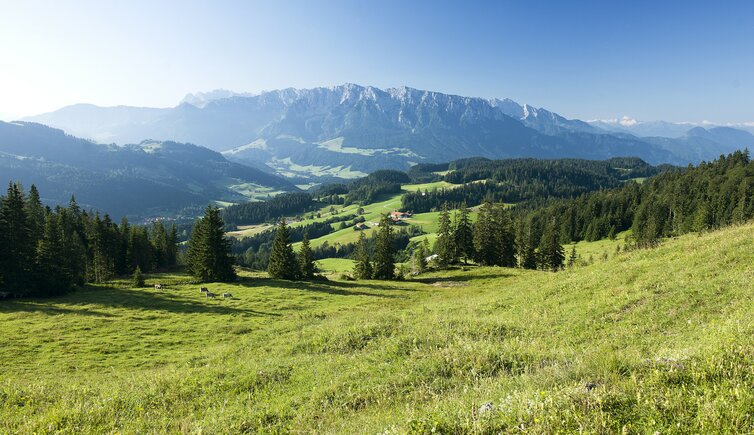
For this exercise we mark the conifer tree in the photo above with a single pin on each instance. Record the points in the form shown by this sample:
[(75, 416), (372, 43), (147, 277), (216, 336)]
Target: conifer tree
[(50, 260), (551, 253), (138, 278), (384, 255), (504, 236), (444, 246), (463, 235), (283, 263), (171, 253), (363, 265), (573, 257), (526, 244), (419, 258), (485, 242), (306, 259), (17, 257), (36, 213), (209, 257)]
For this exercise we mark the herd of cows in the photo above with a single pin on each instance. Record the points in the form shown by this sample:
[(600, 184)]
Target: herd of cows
[(207, 294)]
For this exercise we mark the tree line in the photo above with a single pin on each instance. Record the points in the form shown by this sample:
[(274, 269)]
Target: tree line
[(48, 251), (250, 213), (517, 180), (710, 195)]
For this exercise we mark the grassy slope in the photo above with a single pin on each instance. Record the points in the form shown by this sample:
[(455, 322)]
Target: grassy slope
[(664, 336)]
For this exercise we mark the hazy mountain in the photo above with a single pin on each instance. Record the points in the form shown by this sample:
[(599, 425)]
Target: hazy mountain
[(351, 130), (148, 178)]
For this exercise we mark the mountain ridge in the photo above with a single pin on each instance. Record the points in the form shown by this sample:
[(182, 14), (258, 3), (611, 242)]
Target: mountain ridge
[(350, 130)]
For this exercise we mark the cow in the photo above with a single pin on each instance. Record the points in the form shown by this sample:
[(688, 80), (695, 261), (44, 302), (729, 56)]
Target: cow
[(158, 286), (227, 295), (210, 295), (203, 290)]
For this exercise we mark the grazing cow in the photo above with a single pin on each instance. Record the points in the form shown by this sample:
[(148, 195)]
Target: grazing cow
[(209, 295), (227, 295), (203, 290), (158, 286)]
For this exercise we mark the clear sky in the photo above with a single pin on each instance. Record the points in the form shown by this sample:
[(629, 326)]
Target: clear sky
[(677, 61)]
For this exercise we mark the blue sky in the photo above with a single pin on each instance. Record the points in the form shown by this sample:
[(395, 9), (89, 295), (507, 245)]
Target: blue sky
[(677, 61)]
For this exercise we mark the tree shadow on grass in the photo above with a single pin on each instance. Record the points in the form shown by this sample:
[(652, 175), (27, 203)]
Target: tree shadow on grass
[(126, 298), (31, 306), (340, 288), (462, 278)]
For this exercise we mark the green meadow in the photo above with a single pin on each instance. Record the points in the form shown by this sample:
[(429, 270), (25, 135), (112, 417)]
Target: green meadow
[(648, 341)]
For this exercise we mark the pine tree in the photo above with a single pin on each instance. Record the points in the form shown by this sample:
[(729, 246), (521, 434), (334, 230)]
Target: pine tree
[(171, 252), (551, 251), (17, 257), (50, 259), (525, 242), (463, 235), (209, 257), (419, 258), (573, 257), (384, 255), (363, 265), (306, 259), (444, 246), (138, 278), (485, 244), (504, 236), (36, 213), (159, 241), (283, 263)]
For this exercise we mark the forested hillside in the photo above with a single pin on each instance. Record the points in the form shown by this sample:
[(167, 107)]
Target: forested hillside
[(711, 195), (517, 180), (146, 179)]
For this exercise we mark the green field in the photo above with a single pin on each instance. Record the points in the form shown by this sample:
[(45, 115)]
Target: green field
[(649, 341)]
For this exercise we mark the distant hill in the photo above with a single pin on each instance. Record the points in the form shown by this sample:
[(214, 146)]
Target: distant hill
[(137, 180), (348, 131)]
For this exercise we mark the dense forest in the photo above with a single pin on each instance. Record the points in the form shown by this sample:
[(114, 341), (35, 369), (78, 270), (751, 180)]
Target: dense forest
[(707, 196), (250, 213), (363, 190), (49, 251), (517, 180)]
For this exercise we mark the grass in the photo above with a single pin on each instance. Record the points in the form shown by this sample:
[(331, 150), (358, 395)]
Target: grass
[(650, 340), (335, 265)]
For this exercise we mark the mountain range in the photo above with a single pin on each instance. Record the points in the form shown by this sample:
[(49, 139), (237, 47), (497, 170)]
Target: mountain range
[(349, 130), (139, 180)]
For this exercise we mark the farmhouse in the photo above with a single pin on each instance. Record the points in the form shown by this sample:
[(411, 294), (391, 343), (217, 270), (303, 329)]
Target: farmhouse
[(361, 226)]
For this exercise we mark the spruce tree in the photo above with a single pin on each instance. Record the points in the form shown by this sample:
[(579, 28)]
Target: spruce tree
[(36, 213), (504, 236), (485, 242), (209, 257), (573, 257), (363, 264), (444, 246), (17, 256), (463, 235), (171, 253), (138, 278), (283, 263), (526, 244), (55, 279), (551, 251), (384, 255), (306, 259), (419, 258)]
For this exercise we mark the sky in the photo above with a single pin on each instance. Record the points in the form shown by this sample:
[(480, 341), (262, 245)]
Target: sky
[(650, 60)]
